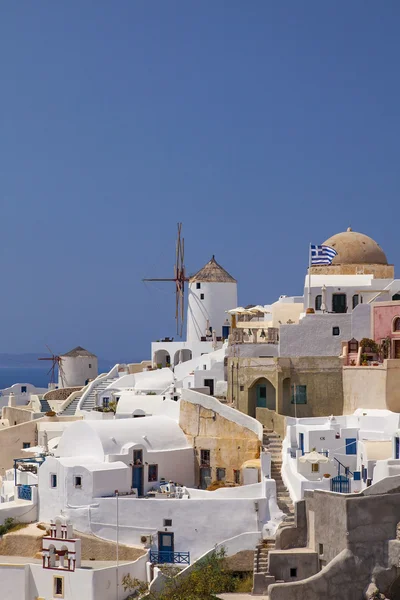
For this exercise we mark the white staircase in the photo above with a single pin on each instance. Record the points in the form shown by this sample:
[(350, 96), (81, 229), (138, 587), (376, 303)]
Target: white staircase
[(89, 398)]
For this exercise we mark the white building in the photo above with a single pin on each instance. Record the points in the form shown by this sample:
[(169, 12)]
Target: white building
[(339, 453), (61, 573), (19, 394)]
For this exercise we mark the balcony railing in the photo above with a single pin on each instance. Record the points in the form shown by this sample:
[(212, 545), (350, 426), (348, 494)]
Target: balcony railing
[(176, 558)]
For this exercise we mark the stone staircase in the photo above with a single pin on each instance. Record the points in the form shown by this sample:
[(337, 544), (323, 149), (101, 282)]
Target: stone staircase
[(273, 444), (44, 406), (90, 400), (70, 410)]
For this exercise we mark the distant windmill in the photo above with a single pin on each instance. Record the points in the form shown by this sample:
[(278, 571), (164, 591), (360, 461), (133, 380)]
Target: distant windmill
[(57, 362), (179, 278)]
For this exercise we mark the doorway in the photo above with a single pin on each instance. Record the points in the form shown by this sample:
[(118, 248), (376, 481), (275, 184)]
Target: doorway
[(339, 303), (210, 384), (396, 349), (137, 479), (262, 396), (205, 477), (166, 547)]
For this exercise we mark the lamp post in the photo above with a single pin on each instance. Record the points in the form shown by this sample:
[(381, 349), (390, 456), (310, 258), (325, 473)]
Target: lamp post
[(117, 540)]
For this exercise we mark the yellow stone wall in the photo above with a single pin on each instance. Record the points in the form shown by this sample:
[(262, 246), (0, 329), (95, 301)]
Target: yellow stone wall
[(378, 271), (229, 443)]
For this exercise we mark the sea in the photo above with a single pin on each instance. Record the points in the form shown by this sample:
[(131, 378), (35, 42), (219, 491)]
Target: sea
[(10, 375)]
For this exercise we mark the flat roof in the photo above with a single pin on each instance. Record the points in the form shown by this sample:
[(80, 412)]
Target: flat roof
[(86, 564)]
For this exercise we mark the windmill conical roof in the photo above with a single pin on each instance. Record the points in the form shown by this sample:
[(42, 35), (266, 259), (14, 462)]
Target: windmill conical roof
[(213, 272), (78, 351)]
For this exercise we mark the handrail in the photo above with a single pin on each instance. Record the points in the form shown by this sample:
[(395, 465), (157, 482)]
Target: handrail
[(346, 469), (93, 384), (176, 558)]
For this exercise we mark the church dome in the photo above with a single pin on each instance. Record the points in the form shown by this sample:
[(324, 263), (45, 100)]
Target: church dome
[(356, 249)]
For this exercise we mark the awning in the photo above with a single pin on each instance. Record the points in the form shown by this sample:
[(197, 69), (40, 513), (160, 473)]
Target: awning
[(313, 458)]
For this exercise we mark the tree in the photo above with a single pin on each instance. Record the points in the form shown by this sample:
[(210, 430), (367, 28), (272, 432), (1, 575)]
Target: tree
[(207, 578)]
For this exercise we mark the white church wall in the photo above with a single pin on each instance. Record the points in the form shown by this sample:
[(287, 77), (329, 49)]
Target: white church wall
[(197, 524), (13, 582)]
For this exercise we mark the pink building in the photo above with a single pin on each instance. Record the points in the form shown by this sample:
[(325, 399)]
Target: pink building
[(386, 324)]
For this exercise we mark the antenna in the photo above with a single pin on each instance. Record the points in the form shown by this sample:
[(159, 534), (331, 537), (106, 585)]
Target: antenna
[(179, 279)]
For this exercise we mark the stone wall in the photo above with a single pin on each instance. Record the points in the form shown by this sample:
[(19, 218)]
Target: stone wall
[(61, 394), (272, 420), (230, 443)]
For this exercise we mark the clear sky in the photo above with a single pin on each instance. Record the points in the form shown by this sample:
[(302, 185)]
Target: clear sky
[(262, 125)]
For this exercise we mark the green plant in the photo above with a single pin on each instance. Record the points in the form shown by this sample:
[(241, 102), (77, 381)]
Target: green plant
[(11, 525), (368, 343)]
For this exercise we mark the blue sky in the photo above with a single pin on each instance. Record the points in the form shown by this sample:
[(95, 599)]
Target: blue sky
[(261, 125)]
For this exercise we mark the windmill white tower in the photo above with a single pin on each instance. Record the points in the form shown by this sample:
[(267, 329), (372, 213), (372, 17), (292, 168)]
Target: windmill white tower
[(212, 291)]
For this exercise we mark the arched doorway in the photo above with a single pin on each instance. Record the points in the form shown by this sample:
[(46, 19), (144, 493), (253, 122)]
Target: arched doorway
[(182, 356), (161, 359), (261, 394)]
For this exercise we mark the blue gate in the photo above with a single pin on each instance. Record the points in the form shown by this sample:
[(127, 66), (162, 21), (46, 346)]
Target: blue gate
[(24, 492), (340, 484)]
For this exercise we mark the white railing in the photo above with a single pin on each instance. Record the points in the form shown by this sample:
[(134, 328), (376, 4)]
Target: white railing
[(93, 385)]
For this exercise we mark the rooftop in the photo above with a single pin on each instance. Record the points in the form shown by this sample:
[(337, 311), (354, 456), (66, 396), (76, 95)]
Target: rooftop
[(212, 272), (79, 351), (355, 248)]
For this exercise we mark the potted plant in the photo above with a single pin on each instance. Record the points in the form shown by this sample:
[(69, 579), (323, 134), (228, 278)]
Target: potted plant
[(369, 346)]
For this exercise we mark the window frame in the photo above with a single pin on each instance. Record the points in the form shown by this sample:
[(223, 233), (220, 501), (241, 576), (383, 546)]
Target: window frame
[(296, 392), (153, 467), (204, 462), (26, 445), (77, 485), (53, 478), (221, 474), (314, 467), (236, 476), (335, 330), (198, 285), (201, 296), (355, 302), (57, 578), (396, 325), (24, 389), (318, 302)]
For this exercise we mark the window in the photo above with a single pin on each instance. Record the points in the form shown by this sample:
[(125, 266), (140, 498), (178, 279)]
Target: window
[(356, 300), (90, 366), (78, 481), (138, 457), (299, 394), (26, 445), (153, 472), (167, 522), (205, 458), (204, 367), (53, 480), (318, 302), (335, 331), (396, 297), (23, 389), (106, 402), (236, 476), (201, 296), (320, 548), (351, 446), (58, 587), (221, 474), (198, 285), (353, 345), (293, 572), (396, 324), (241, 388), (315, 468)]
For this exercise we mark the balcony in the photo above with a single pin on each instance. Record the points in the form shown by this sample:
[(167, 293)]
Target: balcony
[(255, 334), (175, 558)]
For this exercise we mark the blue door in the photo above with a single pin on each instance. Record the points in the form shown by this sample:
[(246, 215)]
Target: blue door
[(301, 442), (137, 479), (262, 396), (397, 447), (340, 484), (351, 446), (165, 547)]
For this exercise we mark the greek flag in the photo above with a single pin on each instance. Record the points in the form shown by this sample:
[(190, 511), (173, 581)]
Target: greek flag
[(322, 255)]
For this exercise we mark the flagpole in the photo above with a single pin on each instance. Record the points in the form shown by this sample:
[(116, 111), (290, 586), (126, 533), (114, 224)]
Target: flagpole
[(309, 277)]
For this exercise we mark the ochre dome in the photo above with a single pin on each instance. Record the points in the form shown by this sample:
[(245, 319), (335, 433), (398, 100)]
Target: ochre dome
[(356, 249)]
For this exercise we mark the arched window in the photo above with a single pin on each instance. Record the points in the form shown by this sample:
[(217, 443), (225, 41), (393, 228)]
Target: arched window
[(356, 300), (396, 324), (318, 302)]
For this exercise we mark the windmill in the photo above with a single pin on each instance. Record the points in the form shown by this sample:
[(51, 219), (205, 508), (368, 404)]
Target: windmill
[(56, 362), (179, 279)]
